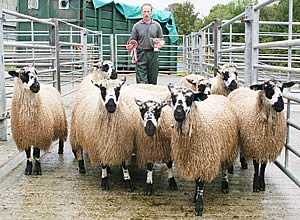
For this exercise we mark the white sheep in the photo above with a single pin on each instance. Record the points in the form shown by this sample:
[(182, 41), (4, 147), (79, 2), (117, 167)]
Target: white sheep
[(262, 124), (197, 82), (205, 137), (226, 80), (38, 117), (152, 128), (101, 126)]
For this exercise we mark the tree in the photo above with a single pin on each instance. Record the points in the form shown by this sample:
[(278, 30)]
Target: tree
[(186, 18)]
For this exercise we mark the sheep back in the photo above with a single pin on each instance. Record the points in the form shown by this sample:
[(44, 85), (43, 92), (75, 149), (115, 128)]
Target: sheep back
[(262, 129), (208, 137)]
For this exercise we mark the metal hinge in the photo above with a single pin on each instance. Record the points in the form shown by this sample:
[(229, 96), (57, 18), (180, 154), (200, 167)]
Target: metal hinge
[(4, 116)]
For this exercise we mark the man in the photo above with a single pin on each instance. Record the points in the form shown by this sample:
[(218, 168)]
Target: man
[(149, 36)]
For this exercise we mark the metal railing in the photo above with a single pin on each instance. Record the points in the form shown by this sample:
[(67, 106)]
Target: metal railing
[(61, 52), (259, 55)]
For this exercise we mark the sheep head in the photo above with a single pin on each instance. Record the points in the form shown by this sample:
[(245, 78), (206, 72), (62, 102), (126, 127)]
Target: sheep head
[(272, 89), (107, 68), (110, 92), (28, 76), (182, 100), (150, 112), (202, 85), (229, 74)]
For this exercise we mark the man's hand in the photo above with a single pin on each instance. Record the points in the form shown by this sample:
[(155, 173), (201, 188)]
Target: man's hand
[(158, 42)]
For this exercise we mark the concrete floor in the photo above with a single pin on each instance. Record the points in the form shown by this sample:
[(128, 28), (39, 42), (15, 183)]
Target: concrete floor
[(62, 193)]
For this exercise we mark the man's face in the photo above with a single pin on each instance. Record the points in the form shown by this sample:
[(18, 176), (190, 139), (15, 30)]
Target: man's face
[(147, 12)]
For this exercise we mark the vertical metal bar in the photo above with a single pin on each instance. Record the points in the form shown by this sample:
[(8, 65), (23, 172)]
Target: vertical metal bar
[(184, 53), (100, 49), (112, 52), (116, 51), (83, 35), (32, 41), (54, 41), (255, 38), (201, 52), (3, 121), (230, 42), (216, 47), (290, 36), (192, 52)]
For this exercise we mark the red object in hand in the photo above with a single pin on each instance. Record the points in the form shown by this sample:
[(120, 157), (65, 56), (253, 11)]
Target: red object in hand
[(131, 47)]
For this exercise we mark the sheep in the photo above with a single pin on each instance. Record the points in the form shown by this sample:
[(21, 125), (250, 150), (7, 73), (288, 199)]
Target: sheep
[(101, 126), (38, 117), (197, 82), (225, 82), (102, 70), (262, 124), (152, 129), (204, 137)]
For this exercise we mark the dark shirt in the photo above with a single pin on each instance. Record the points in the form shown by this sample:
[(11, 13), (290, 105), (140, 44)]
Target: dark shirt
[(143, 32)]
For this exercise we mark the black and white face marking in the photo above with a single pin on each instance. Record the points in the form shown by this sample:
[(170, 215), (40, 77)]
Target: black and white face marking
[(150, 112), (110, 92), (107, 67), (28, 75), (202, 85), (229, 73), (273, 92), (182, 100)]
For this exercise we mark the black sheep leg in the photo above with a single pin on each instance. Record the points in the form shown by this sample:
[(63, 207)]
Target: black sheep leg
[(199, 197), (126, 177), (256, 176), (149, 181), (60, 146), (225, 182), (171, 179), (79, 156), (104, 178), (36, 156), (262, 185), (28, 170)]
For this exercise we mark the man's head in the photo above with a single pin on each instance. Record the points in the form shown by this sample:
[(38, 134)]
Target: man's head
[(146, 11)]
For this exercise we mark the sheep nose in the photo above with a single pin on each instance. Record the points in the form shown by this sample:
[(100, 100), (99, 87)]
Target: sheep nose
[(111, 106), (114, 74), (35, 87)]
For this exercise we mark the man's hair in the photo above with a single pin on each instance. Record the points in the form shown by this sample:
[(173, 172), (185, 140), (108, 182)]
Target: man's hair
[(146, 4)]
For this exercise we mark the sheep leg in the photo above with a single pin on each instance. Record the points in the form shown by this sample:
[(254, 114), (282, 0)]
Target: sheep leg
[(127, 177), (36, 156), (104, 178), (225, 184), (28, 169), (60, 146), (243, 161), (79, 156), (171, 179), (199, 197), (256, 176), (262, 185), (149, 181)]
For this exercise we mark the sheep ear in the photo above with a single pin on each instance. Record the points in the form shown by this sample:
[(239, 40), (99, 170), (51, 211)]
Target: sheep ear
[(164, 103), (98, 64), (257, 87), (95, 83), (288, 84), (138, 102), (191, 81), (13, 73), (218, 69), (123, 80), (171, 87), (200, 96)]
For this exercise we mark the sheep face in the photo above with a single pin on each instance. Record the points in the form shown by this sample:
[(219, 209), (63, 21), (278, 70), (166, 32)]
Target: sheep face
[(273, 92), (182, 100), (107, 67), (110, 92), (229, 74), (28, 76), (150, 112), (203, 85)]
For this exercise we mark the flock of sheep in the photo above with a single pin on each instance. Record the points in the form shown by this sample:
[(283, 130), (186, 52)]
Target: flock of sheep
[(201, 125)]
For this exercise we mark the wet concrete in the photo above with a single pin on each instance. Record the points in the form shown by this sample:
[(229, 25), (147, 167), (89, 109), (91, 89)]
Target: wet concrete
[(62, 193)]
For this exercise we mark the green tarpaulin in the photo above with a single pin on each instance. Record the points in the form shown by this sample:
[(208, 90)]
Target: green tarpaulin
[(134, 12)]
